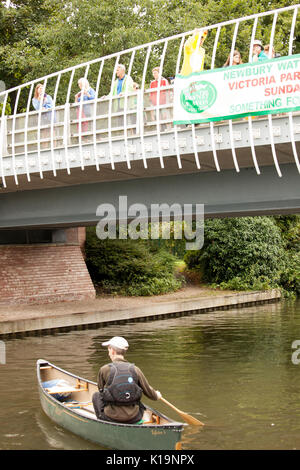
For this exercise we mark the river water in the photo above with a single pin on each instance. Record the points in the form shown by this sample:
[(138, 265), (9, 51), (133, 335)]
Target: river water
[(231, 369)]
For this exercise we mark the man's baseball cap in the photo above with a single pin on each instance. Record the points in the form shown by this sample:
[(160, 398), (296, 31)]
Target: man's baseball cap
[(257, 42), (117, 342)]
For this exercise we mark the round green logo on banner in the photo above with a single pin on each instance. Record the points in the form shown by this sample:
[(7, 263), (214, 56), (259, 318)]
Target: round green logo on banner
[(198, 96)]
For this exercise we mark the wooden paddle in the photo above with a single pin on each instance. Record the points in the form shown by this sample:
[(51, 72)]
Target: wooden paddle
[(188, 418)]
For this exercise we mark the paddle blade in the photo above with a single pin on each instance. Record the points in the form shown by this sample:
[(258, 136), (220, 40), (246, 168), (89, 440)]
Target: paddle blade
[(191, 420), (186, 417)]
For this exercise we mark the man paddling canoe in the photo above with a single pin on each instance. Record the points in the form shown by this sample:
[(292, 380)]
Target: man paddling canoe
[(121, 385)]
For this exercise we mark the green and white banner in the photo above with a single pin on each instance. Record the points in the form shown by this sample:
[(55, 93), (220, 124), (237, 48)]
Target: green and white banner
[(260, 88)]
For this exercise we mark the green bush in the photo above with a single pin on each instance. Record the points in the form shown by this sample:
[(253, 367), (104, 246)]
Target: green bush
[(290, 276), (240, 253), (289, 226), (130, 267)]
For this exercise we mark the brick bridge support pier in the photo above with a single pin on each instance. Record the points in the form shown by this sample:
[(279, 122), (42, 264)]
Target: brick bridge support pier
[(52, 269)]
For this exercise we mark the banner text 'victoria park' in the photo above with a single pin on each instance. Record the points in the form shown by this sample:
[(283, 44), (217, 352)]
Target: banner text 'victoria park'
[(268, 87)]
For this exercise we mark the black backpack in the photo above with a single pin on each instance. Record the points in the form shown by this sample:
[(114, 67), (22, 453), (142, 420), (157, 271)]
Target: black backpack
[(122, 386)]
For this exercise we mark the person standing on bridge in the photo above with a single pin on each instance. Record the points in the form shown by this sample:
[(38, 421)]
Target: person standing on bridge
[(41, 99), (194, 53), (163, 94), (86, 93), (258, 53), (121, 385), (122, 85), (44, 102), (236, 59), (267, 51)]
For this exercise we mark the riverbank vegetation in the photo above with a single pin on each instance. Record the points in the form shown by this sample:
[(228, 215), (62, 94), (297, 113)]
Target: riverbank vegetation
[(130, 267), (250, 253), (247, 253)]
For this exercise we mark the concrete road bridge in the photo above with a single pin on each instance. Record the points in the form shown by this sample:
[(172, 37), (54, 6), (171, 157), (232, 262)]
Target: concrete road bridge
[(57, 166)]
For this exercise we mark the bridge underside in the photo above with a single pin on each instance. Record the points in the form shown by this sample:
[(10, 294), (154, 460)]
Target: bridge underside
[(224, 194)]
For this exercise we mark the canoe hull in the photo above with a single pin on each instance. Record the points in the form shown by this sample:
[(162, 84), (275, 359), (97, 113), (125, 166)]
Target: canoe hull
[(112, 435)]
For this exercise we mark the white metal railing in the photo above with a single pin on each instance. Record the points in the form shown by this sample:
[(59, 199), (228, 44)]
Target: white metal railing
[(66, 125)]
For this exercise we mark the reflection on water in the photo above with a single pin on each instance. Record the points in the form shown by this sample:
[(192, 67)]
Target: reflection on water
[(231, 369), (56, 437)]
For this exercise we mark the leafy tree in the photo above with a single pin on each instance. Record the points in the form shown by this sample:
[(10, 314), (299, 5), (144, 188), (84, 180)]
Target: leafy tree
[(19, 43), (242, 252), (290, 233), (290, 276), (289, 226), (39, 37)]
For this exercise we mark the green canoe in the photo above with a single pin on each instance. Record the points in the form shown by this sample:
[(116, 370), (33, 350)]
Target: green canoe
[(66, 399)]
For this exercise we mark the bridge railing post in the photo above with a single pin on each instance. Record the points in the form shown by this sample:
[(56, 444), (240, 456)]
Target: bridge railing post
[(211, 124), (67, 132), (291, 125), (142, 105), (95, 114), (3, 146), (26, 130), (53, 130), (138, 112)]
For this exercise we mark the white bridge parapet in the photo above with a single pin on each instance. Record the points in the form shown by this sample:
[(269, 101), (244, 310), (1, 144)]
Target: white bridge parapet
[(114, 129)]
